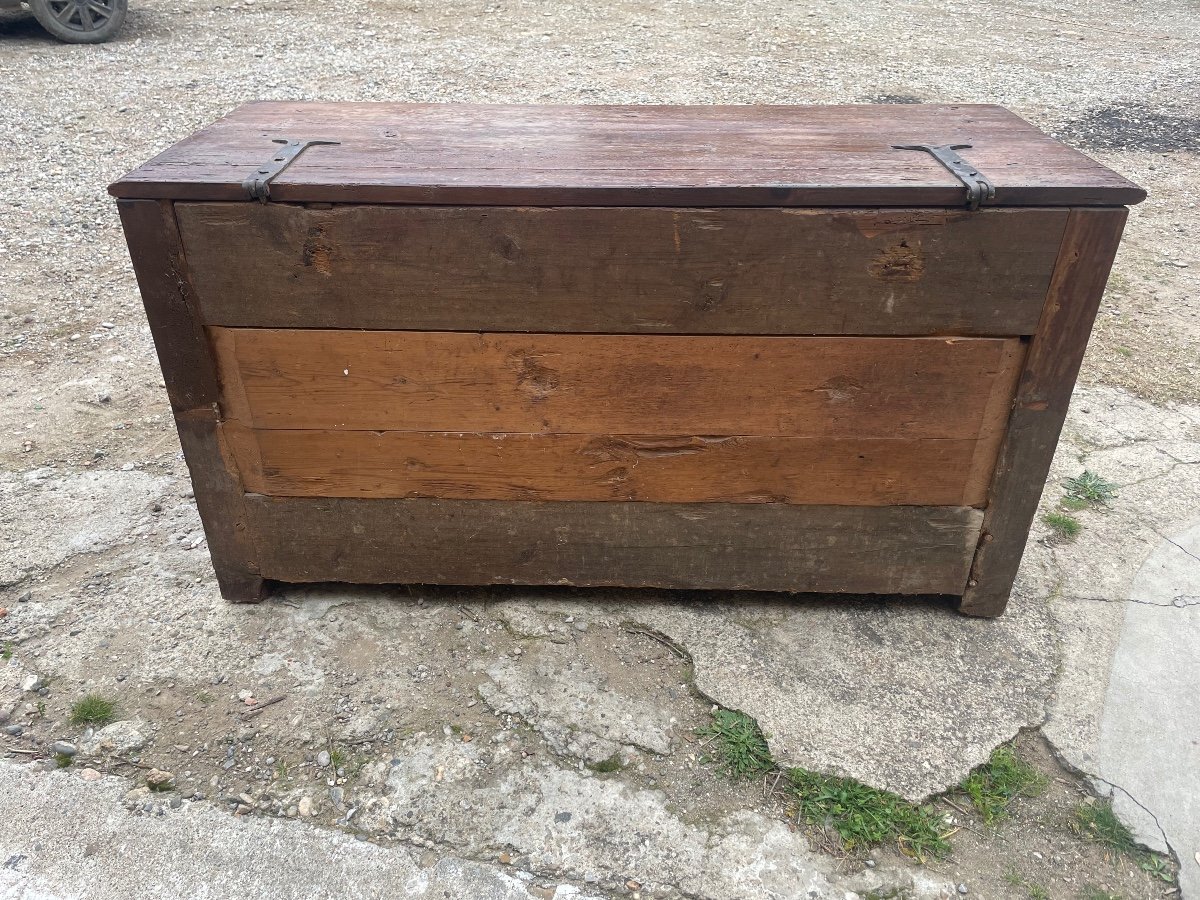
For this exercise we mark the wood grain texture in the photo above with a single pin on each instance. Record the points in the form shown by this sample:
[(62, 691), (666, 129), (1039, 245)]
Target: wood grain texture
[(668, 469), (162, 276), (650, 270), (862, 550), (1043, 396), (627, 156), (615, 384)]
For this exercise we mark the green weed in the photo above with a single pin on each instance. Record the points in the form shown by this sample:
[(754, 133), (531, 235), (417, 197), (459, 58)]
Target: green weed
[(739, 744), (62, 760), (998, 782), (92, 709), (612, 764), (1090, 488), (1065, 527), (864, 816), (1098, 822), (1037, 892), (6, 652)]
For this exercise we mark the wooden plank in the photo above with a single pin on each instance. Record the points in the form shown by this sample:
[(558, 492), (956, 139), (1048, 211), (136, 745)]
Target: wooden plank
[(621, 269), (669, 469), (627, 155), (1043, 395), (191, 379), (616, 384), (179, 340), (774, 547)]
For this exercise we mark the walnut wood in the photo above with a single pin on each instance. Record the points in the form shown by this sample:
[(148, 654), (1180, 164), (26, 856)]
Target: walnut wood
[(668, 469), (862, 550), (627, 156), (615, 384), (1043, 395), (645, 270)]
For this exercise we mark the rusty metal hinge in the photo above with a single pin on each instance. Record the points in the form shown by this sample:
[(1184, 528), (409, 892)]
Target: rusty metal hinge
[(979, 188), (258, 185)]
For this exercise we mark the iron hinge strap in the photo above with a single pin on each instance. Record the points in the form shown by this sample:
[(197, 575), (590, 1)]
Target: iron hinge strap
[(258, 185), (979, 188)]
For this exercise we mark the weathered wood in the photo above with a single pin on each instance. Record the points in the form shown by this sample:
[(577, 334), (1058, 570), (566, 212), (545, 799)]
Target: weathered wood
[(667, 469), (179, 339), (1043, 395), (627, 156), (190, 375), (863, 550), (646, 270), (615, 384)]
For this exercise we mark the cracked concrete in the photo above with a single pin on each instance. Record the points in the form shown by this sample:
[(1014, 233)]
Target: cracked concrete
[(107, 585)]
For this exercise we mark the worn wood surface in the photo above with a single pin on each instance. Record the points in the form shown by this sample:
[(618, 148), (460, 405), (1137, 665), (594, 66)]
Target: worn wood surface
[(627, 156), (179, 340), (865, 550), (668, 469), (613, 384), (1043, 395), (189, 373), (724, 271)]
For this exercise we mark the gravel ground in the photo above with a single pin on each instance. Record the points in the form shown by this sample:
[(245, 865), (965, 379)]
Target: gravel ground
[(90, 463)]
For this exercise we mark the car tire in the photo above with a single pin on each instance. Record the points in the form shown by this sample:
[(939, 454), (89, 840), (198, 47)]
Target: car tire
[(80, 21)]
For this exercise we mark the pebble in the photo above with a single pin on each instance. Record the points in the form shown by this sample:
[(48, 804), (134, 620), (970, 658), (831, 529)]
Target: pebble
[(305, 807), (581, 626), (337, 795), (323, 758), (64, 748), (90, 775), (160, 780), (962, 888), (31, 683), (14, 730)]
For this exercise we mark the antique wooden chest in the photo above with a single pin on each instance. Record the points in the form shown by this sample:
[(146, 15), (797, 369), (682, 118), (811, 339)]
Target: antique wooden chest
[(771, 348)]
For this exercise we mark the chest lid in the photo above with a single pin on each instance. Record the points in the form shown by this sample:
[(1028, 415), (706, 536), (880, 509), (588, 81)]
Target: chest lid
[(893, 155)]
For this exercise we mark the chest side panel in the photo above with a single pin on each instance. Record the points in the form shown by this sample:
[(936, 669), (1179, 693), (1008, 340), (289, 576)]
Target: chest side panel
[(627, 270)]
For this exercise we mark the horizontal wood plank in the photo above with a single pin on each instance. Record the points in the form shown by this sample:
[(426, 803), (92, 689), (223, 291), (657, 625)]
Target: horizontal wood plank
[(724, 271), (771, 547), (550, 155), (613, 384), (681, 469)]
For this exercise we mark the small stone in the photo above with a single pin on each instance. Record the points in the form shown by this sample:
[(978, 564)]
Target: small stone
[(25, 597), (64, 748), (581, 626), (31, 683), (305, 806), (323, 758), (176, 802), (337, 796), (962, 888), (160, 780), (870, 863), (14, 730), (242, 809), (505, 859), (90, 775)]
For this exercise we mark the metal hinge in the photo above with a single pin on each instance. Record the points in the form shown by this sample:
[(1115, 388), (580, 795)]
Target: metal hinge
[(258, 185), (979, 188)]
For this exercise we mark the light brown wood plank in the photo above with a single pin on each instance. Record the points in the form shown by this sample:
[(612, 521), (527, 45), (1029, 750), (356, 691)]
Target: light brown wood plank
[(616, 384), (680, 469), (727, 546), (622, 270)]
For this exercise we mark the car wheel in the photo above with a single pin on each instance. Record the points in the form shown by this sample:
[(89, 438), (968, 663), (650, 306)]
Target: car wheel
[(81, 21)]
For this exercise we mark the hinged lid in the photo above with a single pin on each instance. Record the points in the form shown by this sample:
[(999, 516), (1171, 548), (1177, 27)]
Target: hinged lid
[(624, 156)]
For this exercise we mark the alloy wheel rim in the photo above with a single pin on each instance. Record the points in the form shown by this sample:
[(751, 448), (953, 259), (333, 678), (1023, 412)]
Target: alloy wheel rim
[(82, 15)]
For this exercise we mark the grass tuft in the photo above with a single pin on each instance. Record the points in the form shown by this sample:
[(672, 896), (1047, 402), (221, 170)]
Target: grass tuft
[(739, 743), (1000, 781), (1090, 488), (864, 816), (612, 764), (92, 709), (1098, 822), (62, 760), (1065, 527), (6, 652)]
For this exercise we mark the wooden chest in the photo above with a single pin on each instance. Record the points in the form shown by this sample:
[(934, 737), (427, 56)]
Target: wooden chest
[(765, 348)]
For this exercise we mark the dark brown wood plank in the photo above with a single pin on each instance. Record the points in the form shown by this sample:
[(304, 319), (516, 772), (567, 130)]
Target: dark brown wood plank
[(667, 469), (179, 339), (861, 550), (622, 270), (615, 384), (191, 379), (630, 155), (1043, 395)]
